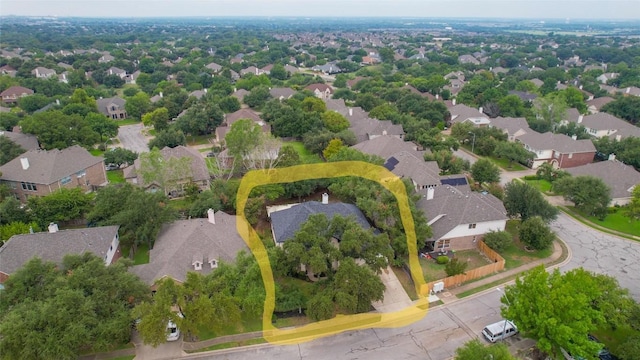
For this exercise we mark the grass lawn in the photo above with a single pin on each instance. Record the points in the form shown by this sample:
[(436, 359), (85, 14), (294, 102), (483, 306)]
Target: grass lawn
[(140, 257), (246, 325), (198, 140), (406, 282), (232, 345), (433, 271), (612, 339), (181, 204), (96, 152), (127, 122), (130, 357), (504, 163), (515, 255), (616, 221), (282, 323), (115, 176), (306, 156), (543, 185)]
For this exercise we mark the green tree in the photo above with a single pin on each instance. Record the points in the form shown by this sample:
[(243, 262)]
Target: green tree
[(33, 102), (257, 97), (447, 162), (511, 106), (170, 173), (535, 233), (333, 148), (334, 121), (120, 156), (355, 287), (387, 54), (56, 130), (589, 194), (550, 110), (558, 310), (243, 137), (80, 96), (455, 267), (15, 228), (626, 107), (158, 118), (60, 206), (513, 152), (475, 350), (497, 240), (484, 171), (102, 125), (633, 208), (88, 302), (11, 210), (168, 138), (524, 201), (9, 150), (138, 105), (288, 156)]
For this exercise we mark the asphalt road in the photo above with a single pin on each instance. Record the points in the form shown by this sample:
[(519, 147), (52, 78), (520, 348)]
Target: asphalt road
[(131, 138), (601, 253)]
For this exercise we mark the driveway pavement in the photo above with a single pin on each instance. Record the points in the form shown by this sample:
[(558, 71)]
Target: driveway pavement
[(131, 138), (395, 298), (168, 350)]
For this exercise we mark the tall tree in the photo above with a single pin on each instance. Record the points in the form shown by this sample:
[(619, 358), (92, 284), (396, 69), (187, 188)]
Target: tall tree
[(513, 152), (242, 138), (535, 233), (158, 118), (589, 194), (102, 125), (633, 208), (59, 206), (474, 350), (524, 201), (88, 302), (170, 174), (9, 150), (171, 137), (484, 171), (558, 310), (120, 156), (550, 110), (138, 105), (56, 130)]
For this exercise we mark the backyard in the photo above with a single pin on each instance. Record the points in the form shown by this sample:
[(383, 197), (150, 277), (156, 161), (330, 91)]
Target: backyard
[(306, 156), (433, 271)]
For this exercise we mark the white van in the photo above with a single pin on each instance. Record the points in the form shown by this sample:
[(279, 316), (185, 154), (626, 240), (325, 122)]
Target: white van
[(173, 333), (500, 330)]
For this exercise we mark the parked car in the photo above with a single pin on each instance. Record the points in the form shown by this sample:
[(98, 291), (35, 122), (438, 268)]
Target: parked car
[(173, 333), (112, 167), (499, 331)]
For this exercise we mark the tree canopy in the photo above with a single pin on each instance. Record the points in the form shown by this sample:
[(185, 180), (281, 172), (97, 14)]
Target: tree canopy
[(589, 194), (484, 171), (523, 200)]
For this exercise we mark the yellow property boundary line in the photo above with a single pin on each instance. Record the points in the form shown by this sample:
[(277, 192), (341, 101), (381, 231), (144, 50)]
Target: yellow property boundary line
[(340, 323)]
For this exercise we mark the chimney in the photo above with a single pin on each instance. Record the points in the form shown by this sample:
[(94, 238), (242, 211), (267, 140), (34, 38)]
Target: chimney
[(453, 102), (580, 118), (480, 109), (205, 90), (580, 87), (612, 157), (437, 96), (350, 111), (57, 101), (211, 215), (574, 137), (325, 198), (430, 192), (235, 89), (161, 94), (628, 90), (25, 163), (53, 228)]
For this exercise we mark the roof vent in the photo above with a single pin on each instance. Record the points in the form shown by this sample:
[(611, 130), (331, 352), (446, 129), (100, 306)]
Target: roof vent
[(25, 163), (53, 227)]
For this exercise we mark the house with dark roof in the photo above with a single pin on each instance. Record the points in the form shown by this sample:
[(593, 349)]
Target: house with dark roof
[(198, 174), (459, 217), (25, 141), (559, 150), (620, 178), (102, 241), (195, 245), (41, 172), (13, 93), (113, 108), (286, 220)]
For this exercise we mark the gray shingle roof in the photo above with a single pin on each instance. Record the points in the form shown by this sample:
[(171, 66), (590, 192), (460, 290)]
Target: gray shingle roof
[(618, 176), (386, 146), (558, 142), (604, 121), (459, 206), (510, 125), (415, 168), (285, 223), (54, 246), (47, 167), (26, 141), (103, 104), (462, 112), (180, 242)]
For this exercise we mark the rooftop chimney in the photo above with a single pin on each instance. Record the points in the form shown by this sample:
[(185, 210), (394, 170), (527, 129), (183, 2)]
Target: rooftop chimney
[(612, 157), (25, 163), (211, 215), (53, 228), (453, 102), (161, 94), (325, 198), (430, 192), (580, 118), (574, 137), (480, 109), (350, 111)]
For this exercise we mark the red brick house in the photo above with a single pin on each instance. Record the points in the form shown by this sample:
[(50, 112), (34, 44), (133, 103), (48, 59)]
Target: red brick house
[(559, 150)]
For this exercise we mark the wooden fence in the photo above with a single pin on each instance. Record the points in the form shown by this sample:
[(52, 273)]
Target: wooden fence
[(451, 281)]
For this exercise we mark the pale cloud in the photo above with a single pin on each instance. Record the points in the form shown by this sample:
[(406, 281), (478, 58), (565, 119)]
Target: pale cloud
[(542, 9)]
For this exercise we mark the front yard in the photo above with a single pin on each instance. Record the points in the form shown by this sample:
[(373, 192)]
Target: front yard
[(616, 220), (515, 254)]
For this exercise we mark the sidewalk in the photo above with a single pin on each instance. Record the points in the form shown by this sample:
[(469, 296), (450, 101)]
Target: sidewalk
[(192, 346)]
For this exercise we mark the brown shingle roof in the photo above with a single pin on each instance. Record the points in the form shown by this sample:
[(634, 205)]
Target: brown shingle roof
[(47, 167)]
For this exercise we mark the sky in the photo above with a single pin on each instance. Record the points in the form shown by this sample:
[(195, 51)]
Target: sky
[(530, 9)]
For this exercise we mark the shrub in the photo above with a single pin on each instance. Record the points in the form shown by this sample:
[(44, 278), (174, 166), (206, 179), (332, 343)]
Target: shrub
[(497, 240), (443, 259), (536, 234), (455, 267)]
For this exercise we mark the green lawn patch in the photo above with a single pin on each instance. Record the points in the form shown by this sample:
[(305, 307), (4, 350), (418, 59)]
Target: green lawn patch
[(198, 139), (295, 321), (306, 156), (140, 257), (128, 122), (506, 165), (515, 254), (543, 185), (246, 325), (232, 344), (181, 204), (115, 176), (96, 152), (129, 357), (616, 220)]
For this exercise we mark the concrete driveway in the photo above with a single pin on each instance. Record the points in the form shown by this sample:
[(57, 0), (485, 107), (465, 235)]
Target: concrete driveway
[(395, 298), (168, 350), (132, 138)]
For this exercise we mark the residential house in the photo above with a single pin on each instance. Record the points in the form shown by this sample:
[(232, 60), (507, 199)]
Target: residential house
[(122, 74), (461, 113), (631, 91), (229, 119), (240, 94), (523, 95), (13, 93), (25, 141), (216, 68), (513, 127), (604, 124), (604, 78), (113, 108), (41, 172), (43, 73), (459, 217), (620, 178), (282, 93), (54, 245), (8, 70), (595, 105), (468, 59), (557, 149), (131, 78), (105, 58), (386, 146), (198, 174), (195, 245), (291, 69), (251, 70), (155, 98), (362, 126), (198, 94), (286, 220), (323, 91)]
